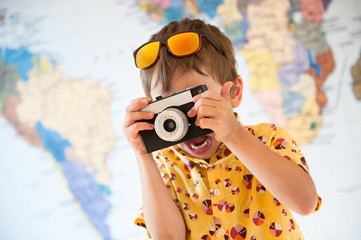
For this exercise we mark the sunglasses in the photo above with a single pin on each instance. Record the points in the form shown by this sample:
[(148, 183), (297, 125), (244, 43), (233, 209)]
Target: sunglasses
[(181, 44)]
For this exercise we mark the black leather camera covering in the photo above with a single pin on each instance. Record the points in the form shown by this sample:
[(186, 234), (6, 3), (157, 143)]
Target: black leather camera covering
[(152, 141)]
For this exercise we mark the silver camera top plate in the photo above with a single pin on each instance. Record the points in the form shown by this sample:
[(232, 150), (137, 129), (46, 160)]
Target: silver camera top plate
[(173, 100)]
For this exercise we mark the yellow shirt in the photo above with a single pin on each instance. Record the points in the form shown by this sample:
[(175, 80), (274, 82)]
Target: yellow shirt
[(222, 199)]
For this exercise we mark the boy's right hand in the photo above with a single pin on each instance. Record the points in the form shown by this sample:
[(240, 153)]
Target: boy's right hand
[(131, 127)]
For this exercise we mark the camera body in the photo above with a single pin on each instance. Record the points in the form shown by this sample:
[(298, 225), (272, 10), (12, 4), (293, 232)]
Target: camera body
[(171, 122)]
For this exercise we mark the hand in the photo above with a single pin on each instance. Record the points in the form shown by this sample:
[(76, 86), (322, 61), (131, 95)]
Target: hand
[(131, 127), (214, 111)]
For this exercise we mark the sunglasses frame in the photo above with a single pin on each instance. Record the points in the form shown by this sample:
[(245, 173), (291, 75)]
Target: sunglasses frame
[(164, 41)]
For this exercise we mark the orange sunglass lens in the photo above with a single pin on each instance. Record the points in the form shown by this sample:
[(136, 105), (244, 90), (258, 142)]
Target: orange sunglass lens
[(183, 44), (147, 55)]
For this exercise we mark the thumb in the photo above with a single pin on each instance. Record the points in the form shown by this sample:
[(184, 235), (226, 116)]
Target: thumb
[(226, 90)]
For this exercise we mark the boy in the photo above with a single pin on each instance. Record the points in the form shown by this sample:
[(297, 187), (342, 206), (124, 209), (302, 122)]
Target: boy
[(238, 182)]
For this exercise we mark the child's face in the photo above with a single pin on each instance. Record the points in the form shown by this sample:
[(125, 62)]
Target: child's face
[(202, 147)]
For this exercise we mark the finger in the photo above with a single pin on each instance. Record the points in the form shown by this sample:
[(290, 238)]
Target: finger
[(226, 90), (201, 102), (208, 123), (205, 102), (132, 117), (208, 95), (192, 113), (138, 104), (197, 97), (134, 129), (206, 112)]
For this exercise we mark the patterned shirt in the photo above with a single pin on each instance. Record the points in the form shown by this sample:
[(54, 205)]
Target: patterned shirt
[(222, 199)]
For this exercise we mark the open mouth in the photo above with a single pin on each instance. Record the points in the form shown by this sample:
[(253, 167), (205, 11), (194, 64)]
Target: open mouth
[(199, 145), (196, 146)]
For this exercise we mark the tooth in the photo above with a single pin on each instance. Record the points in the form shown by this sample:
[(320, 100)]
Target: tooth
[(194, 147)]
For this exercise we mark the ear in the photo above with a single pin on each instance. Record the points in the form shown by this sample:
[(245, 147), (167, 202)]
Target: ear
[(236, 92)]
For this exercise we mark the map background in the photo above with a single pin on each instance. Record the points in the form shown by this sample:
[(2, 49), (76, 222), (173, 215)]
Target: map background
[(86, 45)]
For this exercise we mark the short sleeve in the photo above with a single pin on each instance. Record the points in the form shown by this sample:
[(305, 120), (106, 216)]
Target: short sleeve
[(280, 141), (139, 219), (166, 176), (283, 144)]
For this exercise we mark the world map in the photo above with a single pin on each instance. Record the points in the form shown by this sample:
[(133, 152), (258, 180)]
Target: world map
[(65, 80)]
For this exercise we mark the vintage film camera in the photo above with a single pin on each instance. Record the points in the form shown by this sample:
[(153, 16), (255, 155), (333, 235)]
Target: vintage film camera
[(171, 122)]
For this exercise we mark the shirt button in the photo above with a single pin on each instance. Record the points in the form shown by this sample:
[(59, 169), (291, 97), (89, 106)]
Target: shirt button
[(221, 231), (217, 192)]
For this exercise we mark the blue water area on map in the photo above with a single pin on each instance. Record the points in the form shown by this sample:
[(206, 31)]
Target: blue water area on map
[(209, 6), (173, 14), (313, 63), (86, 191), (53, 142), (21, 58), (176, 10), (104, 189), (81, 183)]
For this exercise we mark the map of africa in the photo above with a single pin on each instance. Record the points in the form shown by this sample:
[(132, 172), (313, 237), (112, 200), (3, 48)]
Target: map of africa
[(67, 74)]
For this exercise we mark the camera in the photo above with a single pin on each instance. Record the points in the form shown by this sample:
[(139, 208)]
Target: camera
[(171, 122)]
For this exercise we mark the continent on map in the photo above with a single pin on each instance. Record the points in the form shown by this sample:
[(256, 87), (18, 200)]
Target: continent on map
[(356, 75), (67, 118), (288, 57)]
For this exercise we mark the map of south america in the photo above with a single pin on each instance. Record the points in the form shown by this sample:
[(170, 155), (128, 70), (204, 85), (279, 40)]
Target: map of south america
[(69, 119)]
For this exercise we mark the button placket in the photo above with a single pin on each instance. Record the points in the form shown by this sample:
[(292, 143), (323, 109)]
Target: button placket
[(225, 181), (214, 175), (213, 185)]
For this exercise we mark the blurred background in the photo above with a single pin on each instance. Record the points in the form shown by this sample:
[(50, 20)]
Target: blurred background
[(67, 73)]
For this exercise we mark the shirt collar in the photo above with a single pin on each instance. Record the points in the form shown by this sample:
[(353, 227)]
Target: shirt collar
[(221, 154)]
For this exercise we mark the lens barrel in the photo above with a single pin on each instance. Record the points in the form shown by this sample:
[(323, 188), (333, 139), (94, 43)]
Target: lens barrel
[(171, 125)]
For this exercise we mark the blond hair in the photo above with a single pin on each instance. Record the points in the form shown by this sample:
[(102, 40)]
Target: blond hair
[(221, 67)]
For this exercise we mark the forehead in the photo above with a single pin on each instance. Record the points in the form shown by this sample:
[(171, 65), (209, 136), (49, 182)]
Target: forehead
[(183, 80)]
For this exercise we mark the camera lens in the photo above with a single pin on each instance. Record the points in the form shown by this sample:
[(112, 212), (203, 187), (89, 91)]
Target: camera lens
[(169, 125)]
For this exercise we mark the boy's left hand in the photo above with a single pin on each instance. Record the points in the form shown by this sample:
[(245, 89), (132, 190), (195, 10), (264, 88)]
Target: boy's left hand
[(214, 111)]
